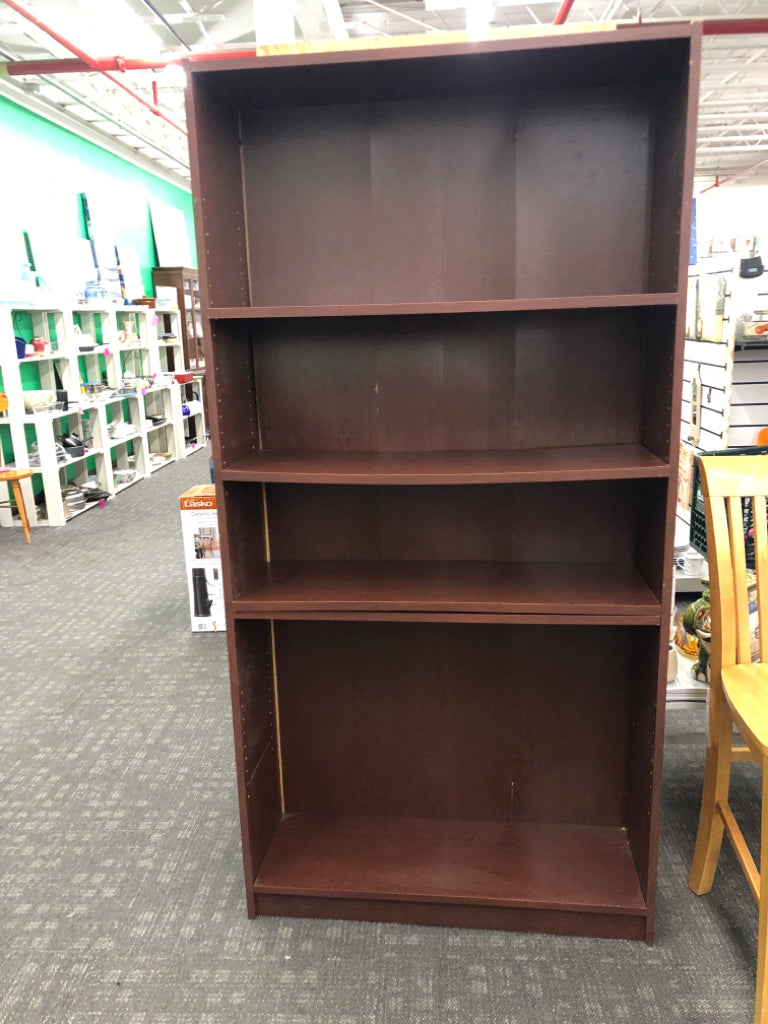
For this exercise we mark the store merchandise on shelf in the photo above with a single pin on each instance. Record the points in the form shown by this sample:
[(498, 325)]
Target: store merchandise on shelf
[(93, 405)]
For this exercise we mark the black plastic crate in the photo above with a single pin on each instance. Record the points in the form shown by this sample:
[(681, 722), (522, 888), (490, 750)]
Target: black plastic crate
[(698, 536)]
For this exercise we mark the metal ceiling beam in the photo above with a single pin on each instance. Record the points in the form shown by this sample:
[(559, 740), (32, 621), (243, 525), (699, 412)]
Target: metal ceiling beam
[(728, 150), (401, 14), (164, 22), (321, 19), (82, 55), (59, 116)]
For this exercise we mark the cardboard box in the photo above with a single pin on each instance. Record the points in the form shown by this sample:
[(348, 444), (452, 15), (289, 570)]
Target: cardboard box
[(202, 557)]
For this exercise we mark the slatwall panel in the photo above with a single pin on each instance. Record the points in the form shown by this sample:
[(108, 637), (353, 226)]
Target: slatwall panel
[(715, 361), (734, 404), (749, 397)]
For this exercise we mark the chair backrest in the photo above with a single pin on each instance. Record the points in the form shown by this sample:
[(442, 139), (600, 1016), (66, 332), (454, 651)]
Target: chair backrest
[(725, 481)]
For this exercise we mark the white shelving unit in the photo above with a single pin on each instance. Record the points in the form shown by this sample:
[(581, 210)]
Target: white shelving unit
[(137, 428)]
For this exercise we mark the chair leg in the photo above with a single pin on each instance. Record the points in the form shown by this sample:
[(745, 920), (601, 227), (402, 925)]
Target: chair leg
[(761, 1000), (19, 497), (717, 777)]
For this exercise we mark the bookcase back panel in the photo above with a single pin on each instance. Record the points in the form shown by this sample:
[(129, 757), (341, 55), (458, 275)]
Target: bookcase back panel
[(582, 194), (460, 722), (426, 200), (491, 381), (588, 522)]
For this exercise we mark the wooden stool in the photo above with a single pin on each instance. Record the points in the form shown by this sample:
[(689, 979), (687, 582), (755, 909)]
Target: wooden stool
[(12, 476)]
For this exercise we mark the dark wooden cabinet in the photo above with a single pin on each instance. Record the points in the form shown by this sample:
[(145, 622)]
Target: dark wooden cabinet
[(186, 284), (444, 294)]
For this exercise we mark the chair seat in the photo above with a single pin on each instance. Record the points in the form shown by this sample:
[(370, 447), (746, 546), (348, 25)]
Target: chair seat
[(746, 690)]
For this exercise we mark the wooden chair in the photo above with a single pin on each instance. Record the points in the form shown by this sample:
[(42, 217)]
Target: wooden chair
[(739, 686)]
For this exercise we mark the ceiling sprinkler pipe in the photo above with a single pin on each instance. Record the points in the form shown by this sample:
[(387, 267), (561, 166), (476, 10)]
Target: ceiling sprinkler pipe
[(72, 65), (734, 26), (562, 14), (718, 182)]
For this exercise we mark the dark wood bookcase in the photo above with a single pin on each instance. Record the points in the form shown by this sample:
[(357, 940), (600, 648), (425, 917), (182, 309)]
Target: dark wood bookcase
[(443, 287), (185, 281)]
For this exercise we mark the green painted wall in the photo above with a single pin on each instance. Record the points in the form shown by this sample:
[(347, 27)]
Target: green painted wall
[(43, 170)]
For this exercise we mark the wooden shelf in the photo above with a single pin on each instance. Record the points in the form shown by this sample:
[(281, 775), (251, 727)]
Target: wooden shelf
[(426, 308), (573, 867), (603, 462), (578, 591)]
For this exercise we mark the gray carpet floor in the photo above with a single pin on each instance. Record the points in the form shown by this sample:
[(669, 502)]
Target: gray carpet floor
[(121, 894)]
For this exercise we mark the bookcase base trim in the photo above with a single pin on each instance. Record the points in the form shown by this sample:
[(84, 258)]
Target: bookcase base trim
[(445, 915)]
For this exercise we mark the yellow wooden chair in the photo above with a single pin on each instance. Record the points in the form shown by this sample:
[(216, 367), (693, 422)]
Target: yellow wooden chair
[(739, 686)]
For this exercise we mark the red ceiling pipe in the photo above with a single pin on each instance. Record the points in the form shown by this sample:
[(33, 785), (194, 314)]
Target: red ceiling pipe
[(732, 177), (562, 14), (83, 62), (74, 64), (735, 26), (89, 61)]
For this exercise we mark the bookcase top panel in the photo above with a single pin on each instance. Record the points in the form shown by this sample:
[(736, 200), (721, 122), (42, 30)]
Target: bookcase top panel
[(611, 43)]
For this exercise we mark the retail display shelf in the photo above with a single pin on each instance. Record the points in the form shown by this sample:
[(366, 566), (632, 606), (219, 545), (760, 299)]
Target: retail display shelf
[(90, 452), (154, 467), (68, 369), (604, 462), (50, 357), (129, 483), (466, 306), (74, 513), (51, 414), (114, 441), (119, 398)]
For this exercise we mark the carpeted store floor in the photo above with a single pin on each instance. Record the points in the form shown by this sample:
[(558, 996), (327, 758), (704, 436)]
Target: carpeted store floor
[(121, 896)]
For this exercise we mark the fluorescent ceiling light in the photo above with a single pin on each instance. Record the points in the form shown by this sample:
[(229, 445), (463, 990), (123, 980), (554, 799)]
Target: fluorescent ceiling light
[(479, 15), (102, 28), (174, 74), (273, 21), (108, 126)]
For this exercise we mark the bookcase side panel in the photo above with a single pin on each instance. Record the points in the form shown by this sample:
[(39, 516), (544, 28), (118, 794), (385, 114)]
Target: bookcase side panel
[(672, 165), (234, 412), (256, 741), (219, 205)]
